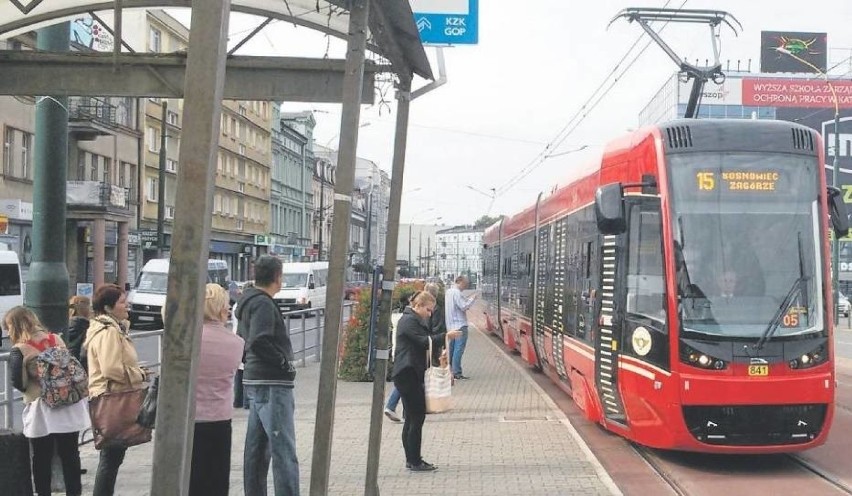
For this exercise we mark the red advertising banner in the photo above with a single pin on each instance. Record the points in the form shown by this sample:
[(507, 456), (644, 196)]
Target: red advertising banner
[(767, 92)]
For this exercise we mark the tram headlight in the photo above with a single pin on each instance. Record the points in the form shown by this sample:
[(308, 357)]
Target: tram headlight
[(810, 359), (691, 356)]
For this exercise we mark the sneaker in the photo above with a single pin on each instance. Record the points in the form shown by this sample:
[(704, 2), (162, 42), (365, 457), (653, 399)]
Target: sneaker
[(393, 416), (421, 467), (461, 377)]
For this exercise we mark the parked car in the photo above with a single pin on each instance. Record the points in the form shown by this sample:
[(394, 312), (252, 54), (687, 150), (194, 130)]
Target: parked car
[(843, 305)]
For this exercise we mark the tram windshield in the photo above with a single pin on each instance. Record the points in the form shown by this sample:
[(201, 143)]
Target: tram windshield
[(745, 229)]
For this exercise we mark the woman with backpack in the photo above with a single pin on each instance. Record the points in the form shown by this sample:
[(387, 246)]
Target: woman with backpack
[(46, 426)]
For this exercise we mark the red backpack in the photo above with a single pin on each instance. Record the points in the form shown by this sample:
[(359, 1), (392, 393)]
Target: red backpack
[(62, 378)]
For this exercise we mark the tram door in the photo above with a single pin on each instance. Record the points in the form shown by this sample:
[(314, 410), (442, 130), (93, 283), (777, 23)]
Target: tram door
[(607, 340)]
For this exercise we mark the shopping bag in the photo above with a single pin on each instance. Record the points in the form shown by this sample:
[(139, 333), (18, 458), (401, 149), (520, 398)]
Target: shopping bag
[(439, 386), (148, 412), (114, 419)]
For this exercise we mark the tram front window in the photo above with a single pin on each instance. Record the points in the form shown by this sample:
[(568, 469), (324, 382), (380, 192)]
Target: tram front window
[(745, 235)]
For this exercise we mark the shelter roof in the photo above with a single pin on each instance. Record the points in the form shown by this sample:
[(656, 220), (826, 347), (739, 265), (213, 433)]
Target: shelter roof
[(394, 34)]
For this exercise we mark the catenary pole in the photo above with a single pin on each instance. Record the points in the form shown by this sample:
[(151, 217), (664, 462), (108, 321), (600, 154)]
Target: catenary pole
[(205, 77), (351, 114), (47, 280), (382, 337)]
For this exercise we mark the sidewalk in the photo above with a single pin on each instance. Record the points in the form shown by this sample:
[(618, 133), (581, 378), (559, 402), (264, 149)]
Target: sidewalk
[(504, 437)]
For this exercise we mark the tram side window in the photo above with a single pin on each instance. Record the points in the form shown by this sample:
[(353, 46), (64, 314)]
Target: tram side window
[(645, 283)]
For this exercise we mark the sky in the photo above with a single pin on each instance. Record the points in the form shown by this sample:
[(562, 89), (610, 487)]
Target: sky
[(536, 64)]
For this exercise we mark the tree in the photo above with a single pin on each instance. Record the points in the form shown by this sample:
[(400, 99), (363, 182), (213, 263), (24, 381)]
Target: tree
[(486, 221)]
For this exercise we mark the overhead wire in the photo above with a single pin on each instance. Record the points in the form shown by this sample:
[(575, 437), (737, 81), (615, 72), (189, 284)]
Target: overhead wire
[(583, 112)]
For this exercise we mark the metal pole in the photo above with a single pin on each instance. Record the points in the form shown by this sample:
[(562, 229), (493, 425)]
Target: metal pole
[(161, 183), (321, 209), (420, 253), (371, 487), (48, 281), (835, 246), (352, 87), (369, 253), (409, 250), (204, 82)]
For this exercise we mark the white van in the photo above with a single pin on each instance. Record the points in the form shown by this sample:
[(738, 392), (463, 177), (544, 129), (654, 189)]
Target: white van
[(303, 286), (147, 299), (11, 294)]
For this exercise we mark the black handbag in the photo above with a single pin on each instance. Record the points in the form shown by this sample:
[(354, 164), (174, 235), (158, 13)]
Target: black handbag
[(148, 412)]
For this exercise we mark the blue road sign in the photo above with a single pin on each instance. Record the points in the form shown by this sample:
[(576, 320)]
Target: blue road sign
[(457, 25)]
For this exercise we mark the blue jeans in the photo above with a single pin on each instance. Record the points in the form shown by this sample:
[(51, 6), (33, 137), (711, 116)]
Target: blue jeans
[(393, 399), (456, 352), (271, 434)]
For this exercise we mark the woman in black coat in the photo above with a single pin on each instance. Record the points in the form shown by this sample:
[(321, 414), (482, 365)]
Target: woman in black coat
[(412, 344), (79, 313)]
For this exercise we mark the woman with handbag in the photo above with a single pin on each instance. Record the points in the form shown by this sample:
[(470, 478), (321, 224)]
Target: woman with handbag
[(45, 426), (413, 341), (221, 354), (113, 368)]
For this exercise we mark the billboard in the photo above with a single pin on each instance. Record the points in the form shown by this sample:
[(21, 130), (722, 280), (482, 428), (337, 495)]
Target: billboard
[(779, 51), (802, 93), (728, 93)]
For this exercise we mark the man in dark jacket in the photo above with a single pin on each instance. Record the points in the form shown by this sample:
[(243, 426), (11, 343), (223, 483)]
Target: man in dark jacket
[(269, 379)]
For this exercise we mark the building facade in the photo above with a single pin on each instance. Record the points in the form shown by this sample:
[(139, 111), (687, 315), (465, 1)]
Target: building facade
[(240, 211), (459, 252), (102, 181)]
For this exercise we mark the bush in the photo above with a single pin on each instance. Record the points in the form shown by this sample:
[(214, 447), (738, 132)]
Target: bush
[(403, 291), (356, 341)]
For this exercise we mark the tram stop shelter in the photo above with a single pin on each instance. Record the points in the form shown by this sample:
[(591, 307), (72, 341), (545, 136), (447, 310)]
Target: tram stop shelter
[(207, 73)]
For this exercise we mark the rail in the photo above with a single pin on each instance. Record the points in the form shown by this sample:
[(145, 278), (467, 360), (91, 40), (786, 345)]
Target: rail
[(301, 333)]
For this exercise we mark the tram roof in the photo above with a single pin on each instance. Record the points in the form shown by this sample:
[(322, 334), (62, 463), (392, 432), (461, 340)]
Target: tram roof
[(394, 35)]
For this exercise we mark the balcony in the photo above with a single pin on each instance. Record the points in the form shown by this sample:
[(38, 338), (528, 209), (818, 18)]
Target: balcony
[(89, 118), (97, 195)]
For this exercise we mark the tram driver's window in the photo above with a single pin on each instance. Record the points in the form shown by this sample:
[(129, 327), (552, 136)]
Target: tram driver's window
[(645, 286)]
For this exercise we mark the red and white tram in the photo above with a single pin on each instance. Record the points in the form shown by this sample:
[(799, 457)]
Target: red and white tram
[(679, 289)]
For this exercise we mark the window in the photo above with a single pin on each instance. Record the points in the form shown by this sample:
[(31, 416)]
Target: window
[(224, 124), (239, 225), (107, 171), (217, 203), (242, 110), (153, 139), (170, 212), (151, 189), (93, 169), (81, 165), (123, 170), (171, 165), (154, 40), (234, 206), (233, 127), (241, 187), (8, 144), (226, 206), (26, 155), (172, 118)]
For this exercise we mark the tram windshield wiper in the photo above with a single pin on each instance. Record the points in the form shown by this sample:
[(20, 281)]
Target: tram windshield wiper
[(799, 287)]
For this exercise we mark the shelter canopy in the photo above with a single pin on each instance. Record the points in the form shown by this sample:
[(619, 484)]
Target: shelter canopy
[(394, 34)]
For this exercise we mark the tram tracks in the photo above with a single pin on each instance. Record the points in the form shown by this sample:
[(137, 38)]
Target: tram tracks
[(819, 472), (679, 476), (654, 462)]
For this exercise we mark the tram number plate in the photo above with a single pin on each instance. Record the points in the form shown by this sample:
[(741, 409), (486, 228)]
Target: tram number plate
[(758, 370)]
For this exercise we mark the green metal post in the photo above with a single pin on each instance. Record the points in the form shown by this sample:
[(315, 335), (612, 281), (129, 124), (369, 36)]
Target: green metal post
[(48, 281)]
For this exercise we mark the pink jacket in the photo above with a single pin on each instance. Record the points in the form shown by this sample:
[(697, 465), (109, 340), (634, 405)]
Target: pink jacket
[(221, 354)]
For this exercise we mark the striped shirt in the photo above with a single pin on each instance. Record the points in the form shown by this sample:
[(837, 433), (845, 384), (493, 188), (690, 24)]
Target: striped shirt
[(456, 308)]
